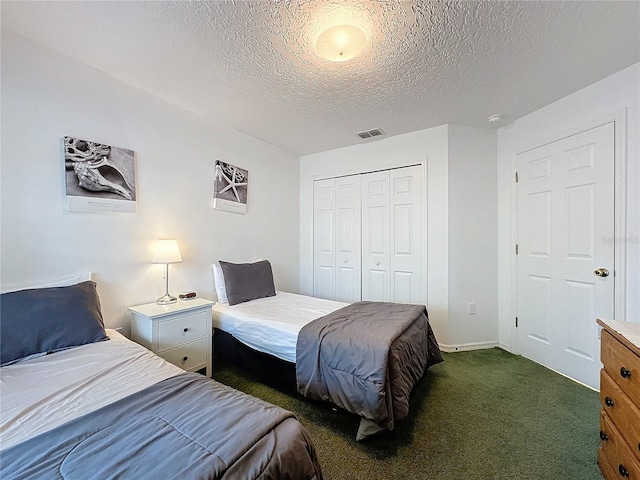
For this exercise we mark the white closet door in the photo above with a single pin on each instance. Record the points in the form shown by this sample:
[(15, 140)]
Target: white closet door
[(368, 235), (406, 235), (324, 244), (376, 258), (348, 239)]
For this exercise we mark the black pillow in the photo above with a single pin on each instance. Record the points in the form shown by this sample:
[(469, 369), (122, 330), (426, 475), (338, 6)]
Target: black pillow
[(247, 281), (45, 320)]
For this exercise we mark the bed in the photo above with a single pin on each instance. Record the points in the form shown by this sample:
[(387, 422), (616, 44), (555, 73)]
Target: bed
[(365, 357), (81, 401)]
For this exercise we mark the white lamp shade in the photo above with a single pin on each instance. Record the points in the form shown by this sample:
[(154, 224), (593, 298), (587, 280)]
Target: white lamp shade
[(341, 43), (167, 251)]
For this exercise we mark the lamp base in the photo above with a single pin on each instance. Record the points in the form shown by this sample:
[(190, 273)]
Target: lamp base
[(166, 300)]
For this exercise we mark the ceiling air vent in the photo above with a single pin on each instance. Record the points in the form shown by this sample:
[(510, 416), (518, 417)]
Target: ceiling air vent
[(370, 133)]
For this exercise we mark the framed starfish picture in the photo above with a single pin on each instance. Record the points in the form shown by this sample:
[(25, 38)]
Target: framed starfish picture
[(230, 187)]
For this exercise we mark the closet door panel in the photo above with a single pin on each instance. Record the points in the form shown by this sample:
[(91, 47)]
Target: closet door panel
[(405, 200), (403, 282), (337, 239), (369, 236), (348, 239), (376, 283), (324, 239)]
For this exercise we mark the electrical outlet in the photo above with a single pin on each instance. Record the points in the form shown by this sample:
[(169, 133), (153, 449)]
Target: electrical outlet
[(472, 308)]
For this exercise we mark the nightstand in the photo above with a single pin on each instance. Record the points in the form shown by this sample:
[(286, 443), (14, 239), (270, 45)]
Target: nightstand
[(180, 333)]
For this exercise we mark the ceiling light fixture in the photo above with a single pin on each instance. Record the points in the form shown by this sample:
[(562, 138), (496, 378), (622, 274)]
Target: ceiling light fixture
[(494, 118), (341, 43)]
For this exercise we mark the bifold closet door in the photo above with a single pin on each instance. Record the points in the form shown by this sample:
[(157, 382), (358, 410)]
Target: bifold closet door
[(337, 239), (376, 258), (392, 236)]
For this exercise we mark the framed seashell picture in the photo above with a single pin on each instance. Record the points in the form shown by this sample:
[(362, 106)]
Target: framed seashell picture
[(230, 187), (99, 177)]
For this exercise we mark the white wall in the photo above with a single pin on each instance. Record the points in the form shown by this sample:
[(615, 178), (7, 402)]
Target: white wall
[(46, 96), (451, 281), (473, 237), (614, 97)]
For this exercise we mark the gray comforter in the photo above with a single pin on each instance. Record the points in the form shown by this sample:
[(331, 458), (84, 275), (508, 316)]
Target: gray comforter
[(366, 358), (186, 427)]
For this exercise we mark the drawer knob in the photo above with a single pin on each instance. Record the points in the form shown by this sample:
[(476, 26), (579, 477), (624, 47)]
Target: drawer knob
[(623, 471), (184, 359), (624, 373), (603, 436), (186, 330), (608, 401)]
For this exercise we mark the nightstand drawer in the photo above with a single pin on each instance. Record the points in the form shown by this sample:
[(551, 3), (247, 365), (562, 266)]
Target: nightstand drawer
[(189, 355), (182, 329)]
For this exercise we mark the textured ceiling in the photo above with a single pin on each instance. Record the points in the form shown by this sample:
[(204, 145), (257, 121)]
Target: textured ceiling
[(252, 65)]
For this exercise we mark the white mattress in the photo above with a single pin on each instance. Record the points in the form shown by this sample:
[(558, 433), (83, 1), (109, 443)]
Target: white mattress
[(271, 325), (39, 394)]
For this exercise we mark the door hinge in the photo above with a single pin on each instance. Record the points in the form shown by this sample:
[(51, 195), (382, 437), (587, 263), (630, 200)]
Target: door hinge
[(516, 177), (516, 248), (516, 322)]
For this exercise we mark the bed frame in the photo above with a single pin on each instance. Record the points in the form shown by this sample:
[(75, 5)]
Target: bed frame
[(270, 370)]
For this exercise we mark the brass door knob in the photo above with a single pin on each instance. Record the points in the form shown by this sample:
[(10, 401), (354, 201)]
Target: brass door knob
[(601, 272)]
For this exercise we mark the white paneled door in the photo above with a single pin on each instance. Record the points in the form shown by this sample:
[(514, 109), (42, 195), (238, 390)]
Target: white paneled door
[(565, 251), (407, 235), (368, 237), (376, 258), (392, 236), (348, 236), (337, 239), (324, 244)]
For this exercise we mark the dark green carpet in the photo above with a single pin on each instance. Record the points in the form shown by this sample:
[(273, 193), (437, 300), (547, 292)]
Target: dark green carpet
[(484, 414)]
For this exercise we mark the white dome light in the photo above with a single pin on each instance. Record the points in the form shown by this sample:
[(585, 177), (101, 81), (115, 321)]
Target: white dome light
[(340, 43)]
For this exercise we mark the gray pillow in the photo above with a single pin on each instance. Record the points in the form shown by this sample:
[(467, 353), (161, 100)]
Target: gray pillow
[(247, 281), (45, 320)]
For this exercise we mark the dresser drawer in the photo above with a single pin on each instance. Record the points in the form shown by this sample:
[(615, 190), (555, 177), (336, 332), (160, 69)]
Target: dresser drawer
[(608, 472), (189, 355), (622, 365), (621, 410), (181, 329), (622, 461)]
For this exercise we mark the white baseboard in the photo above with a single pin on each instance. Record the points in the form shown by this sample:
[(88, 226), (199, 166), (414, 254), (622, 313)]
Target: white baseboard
[(462, 347)]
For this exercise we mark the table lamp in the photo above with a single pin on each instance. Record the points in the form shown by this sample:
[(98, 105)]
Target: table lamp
[(167, 251)]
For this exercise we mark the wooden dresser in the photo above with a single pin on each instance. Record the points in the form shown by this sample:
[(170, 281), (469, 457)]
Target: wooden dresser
[(619, 452)]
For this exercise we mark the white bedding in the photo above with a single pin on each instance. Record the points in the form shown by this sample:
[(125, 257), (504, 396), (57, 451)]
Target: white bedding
[(39, 394), (271, 325)]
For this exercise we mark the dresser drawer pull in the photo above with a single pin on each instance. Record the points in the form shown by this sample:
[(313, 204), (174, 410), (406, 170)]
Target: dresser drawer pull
[(185, 330), (603, 436), (623, 471), (184, 359), (624, 373), (608, 401)]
